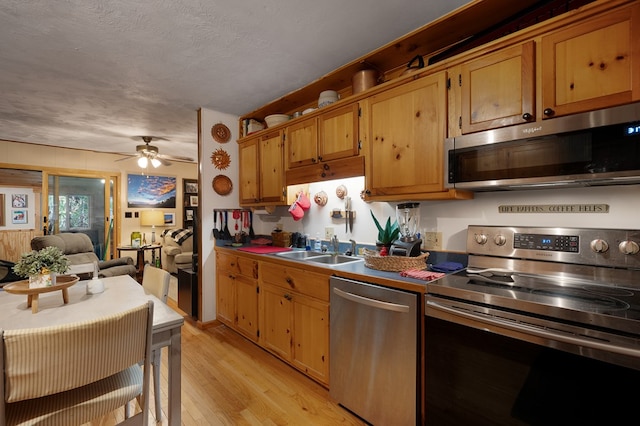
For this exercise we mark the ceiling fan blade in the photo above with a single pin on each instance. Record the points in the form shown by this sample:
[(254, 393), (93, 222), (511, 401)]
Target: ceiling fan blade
[(177, 158), (162, 160)]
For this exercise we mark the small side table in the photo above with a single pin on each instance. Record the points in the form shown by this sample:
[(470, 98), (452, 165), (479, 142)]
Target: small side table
[(140, 256)]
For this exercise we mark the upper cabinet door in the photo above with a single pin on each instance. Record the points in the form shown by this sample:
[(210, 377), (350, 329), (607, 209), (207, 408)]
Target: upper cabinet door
[(302, 143), (592, 65), (339, 133), (249, 171), (498, 89), (272, 168), (406, 128)]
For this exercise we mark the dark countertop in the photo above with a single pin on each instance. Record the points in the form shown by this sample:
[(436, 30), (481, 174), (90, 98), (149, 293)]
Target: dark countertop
[(356, 270)]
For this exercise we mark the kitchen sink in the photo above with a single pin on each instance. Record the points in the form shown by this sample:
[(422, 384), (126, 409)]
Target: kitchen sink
[(334, 260), (300, 255)]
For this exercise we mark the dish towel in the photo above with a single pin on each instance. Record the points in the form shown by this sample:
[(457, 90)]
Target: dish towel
[(447, 267), (422, 274)]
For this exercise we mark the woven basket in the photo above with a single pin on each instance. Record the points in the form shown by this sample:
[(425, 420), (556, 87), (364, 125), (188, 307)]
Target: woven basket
[(373, 260), (281, 239)]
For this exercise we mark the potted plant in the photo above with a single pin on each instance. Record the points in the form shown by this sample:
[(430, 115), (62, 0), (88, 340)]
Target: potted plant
[(386, 235), (41, 266)]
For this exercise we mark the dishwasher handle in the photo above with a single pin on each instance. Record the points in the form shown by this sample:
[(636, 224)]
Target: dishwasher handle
[(388, 306)]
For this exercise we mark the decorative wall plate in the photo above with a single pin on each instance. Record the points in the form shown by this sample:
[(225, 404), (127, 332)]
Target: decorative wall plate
[(220, 159), (222, 185), (220, 133)]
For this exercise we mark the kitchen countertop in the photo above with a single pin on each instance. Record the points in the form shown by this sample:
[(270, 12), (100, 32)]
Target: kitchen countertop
[(355, 270)]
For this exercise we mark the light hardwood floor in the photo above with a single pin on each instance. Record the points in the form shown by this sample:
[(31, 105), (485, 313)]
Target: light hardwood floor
[(227, 380)]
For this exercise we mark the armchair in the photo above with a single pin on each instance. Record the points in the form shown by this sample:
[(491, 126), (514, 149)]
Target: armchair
[(79, 250), (177, 249)]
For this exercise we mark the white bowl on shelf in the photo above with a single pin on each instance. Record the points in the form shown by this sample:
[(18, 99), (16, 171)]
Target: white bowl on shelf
[(275, 119), (327, 98)]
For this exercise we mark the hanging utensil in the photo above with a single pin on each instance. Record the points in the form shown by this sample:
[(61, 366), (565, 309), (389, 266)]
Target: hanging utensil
[(216, 232), (236, 216), (227, 234), (251, 233)]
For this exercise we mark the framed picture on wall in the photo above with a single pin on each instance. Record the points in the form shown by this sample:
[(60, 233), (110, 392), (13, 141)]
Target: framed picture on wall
[(188, 214), (145, 191), (19, 216), (190, 186), (169, 219), (193, 200), (19, 201)]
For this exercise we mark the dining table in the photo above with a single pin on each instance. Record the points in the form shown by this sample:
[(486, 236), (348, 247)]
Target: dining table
[(120, 293)]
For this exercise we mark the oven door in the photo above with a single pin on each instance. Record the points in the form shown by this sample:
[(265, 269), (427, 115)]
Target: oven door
[(488, 369)]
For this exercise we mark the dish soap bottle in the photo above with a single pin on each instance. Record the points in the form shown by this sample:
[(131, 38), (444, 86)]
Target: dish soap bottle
[(318, 244)]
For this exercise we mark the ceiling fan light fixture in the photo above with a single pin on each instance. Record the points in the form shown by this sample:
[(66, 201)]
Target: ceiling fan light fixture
[(155, 163), (143, 162)]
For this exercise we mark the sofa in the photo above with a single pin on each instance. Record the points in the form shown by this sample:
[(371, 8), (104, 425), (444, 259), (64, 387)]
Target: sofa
[(79, 250), (177, 249)]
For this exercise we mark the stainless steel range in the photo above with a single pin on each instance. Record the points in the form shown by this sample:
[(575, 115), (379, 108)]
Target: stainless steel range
[(541, 318)]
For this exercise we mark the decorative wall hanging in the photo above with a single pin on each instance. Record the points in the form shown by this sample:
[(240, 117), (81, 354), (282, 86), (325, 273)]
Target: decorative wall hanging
[(220, 133), (145, 191), (222, 185), (320, 198), (341, 191), (220, 159)]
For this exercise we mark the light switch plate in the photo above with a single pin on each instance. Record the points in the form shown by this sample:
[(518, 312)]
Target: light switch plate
[(328, 232), (432, 240)]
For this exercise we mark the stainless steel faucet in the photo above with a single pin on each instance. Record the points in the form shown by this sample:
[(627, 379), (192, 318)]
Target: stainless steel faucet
[(353, 248), (335, 244)]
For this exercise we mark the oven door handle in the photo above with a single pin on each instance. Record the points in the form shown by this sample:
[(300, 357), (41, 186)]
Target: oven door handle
[(530, 330)]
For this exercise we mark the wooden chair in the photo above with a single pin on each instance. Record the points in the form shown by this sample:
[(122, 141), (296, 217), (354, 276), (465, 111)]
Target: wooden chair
[(156, 281), (75, 373)]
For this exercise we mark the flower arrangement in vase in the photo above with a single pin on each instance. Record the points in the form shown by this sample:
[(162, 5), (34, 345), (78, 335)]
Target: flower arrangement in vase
[(41, 266), (386, 235)]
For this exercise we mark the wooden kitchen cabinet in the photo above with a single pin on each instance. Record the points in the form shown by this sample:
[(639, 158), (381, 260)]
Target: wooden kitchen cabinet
[(331, 135), (294, 318), (262, 170), (498, 89), (593, 64), (237, 293), (405, 133)]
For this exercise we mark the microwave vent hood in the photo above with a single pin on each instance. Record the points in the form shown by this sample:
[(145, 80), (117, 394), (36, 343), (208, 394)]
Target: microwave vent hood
[(595, 148)]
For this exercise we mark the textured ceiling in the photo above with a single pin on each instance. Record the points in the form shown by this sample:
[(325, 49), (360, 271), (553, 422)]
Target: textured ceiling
[(94, 74)]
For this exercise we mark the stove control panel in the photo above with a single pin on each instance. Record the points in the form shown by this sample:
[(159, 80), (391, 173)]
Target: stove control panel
[(601, 247)]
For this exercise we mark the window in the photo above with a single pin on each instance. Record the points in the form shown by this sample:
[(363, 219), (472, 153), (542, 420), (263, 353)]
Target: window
[(73, 211)]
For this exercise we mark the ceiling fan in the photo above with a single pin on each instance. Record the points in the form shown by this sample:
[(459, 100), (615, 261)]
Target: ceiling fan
[(149, 154)]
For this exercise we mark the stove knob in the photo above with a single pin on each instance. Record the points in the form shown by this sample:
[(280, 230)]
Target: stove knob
[(481, 239), (500, 240), (629, 247), (599, 246)]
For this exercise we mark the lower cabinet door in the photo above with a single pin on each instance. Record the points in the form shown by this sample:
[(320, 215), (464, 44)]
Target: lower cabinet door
[(225, 310), (311, 337), (276, 320), (247, 307)]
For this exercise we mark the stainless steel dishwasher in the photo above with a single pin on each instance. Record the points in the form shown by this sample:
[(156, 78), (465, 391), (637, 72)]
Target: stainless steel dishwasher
[(374, 351)]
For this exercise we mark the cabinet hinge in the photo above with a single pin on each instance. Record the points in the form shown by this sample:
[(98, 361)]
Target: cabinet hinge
[(284, 136), (460, 80), (258, 333), (359, 145), (359, 112), (257, 289), (460, 122), (448, 83)]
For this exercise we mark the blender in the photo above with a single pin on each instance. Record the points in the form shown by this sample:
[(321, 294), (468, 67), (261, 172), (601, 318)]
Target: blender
[(408, 216)]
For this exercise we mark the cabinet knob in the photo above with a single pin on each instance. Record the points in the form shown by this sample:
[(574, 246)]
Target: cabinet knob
[(526, 116), (323, 175), (289, 281), (313, 160), (319, 157), (548, 112), (367, 191), (288, 296), (326, 167)]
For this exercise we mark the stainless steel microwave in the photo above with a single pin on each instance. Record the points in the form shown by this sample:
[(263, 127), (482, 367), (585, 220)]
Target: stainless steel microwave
[(594, 148)]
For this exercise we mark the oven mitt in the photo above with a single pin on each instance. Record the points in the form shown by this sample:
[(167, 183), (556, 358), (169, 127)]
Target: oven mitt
[(447, 267)]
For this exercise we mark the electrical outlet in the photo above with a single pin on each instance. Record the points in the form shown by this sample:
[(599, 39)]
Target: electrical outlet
[(432, 240), (328, 232)]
